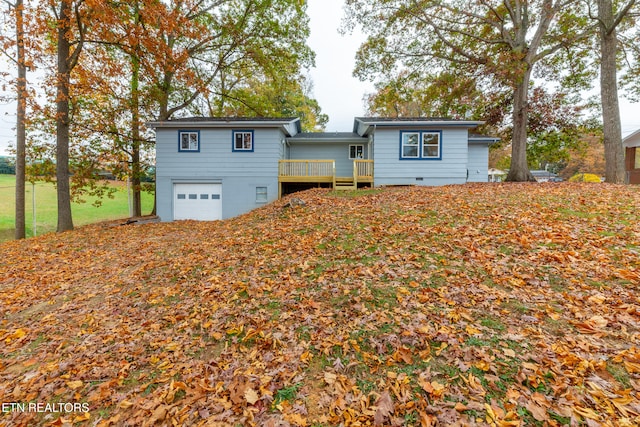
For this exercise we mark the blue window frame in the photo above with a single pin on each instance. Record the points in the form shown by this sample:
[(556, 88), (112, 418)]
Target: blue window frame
[(243, 141), (189, 141), (421, 145)]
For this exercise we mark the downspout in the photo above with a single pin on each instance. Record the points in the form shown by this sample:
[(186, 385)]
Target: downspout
[(371, 157)]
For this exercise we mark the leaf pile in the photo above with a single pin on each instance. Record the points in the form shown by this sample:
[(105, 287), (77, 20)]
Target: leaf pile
[(500, 305)]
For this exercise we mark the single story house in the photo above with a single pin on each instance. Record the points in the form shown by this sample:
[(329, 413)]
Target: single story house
[(632, 157), (217, 168)]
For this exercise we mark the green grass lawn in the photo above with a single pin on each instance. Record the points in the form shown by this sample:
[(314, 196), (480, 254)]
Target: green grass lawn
[(46, 207)]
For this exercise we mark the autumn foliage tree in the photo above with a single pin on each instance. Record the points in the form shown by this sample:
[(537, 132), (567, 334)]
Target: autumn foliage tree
[(502, 41), (120, 64), (152, 60), (450, 93)]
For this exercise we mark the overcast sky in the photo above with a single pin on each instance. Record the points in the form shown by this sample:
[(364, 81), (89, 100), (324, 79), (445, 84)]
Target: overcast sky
[(339, 93)]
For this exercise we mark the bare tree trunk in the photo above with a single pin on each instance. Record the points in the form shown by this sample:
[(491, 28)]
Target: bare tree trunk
[(612, 130), (136, 170), (65, 221), (519, 170), (21, 85)]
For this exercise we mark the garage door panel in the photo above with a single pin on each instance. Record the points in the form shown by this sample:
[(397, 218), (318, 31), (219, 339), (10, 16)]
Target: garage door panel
[(199, 201)]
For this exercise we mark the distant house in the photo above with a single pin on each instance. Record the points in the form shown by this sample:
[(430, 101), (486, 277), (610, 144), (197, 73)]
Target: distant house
[(496, 175), (632, 157), (544, 176), (216, 168)]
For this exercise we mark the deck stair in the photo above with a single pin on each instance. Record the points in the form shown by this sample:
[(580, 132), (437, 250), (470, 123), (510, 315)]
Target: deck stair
[(344, 183)]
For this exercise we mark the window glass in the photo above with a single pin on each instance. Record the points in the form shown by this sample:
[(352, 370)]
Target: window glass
[(182, 196), (356, 151), (410, 142), (261, 194), (243, 141), (421, 145), (215, 197), (189, 141), (193, 196), (204, 196), (430, 144)]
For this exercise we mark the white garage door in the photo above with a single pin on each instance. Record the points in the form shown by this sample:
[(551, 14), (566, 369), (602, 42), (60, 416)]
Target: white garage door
[(197, 201)]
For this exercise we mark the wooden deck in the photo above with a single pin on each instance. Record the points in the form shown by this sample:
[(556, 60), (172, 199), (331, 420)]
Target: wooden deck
[(324, 171), (306, 170)]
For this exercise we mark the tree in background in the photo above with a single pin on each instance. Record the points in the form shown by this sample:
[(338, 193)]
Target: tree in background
[(500, 41), (279, 96), (610, 16), (69, 26), (151, 60), (629, 51), (242, 39), (147, 60), (556, 128), (449, 94), (587, 157), (16, 10)]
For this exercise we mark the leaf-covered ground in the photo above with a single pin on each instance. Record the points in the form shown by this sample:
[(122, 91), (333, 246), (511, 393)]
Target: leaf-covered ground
[(497, 305)]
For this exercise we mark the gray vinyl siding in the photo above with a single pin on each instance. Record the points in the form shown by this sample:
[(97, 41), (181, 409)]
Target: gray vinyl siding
[(238, 172), (390, 170), (338, 151), (478, 163)]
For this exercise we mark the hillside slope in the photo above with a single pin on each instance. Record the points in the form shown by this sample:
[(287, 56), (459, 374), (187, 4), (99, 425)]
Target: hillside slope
[(480, 305)]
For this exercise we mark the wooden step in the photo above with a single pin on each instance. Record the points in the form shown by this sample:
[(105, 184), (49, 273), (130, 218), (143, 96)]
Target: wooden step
[(343, 186), (344, 183)]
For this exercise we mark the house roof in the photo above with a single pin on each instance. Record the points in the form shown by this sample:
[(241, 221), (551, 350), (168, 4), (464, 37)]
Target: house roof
[(364, 125), (327, 137), (632, 140), (290, 125)]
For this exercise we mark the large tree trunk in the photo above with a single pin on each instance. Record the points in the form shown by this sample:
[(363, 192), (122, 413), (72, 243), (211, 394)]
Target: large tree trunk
[(65, 221), (519, 170), (136, 170), (20, 126), (613, 148)]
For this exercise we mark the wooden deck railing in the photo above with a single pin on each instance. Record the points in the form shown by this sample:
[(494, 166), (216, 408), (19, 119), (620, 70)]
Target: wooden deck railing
[(323, 171), (363, 169), (307, 169)]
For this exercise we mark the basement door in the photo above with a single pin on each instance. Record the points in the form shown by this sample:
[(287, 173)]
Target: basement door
[(199, 201)]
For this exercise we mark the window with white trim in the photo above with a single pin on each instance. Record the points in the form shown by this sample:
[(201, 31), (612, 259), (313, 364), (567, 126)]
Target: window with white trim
[(431, 145), (356, 151), (188, 140), (420, 145), (242, 140), (410, 145)]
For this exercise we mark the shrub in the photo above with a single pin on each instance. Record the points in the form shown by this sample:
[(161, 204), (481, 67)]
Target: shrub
[(585, 177)]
